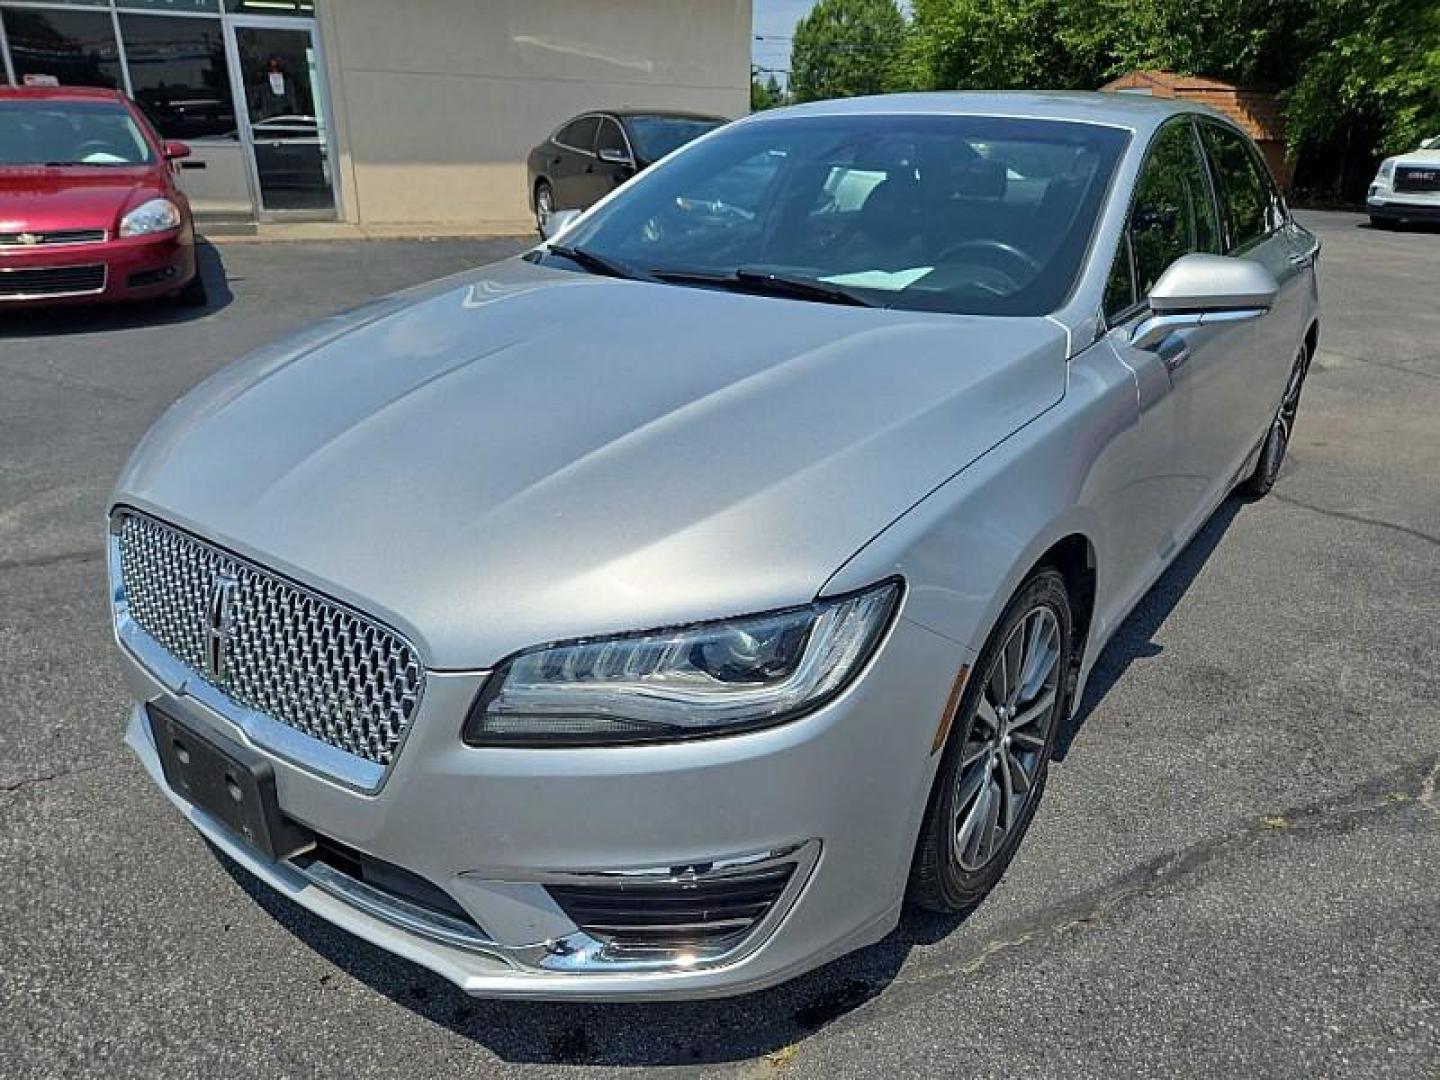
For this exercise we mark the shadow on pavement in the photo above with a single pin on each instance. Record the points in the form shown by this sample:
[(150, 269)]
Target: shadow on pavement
[(1135, 639), (715, 1031), (1400, 226), (98, 318)]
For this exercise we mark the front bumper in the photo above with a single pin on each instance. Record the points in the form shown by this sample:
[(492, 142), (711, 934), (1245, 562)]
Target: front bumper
[(841, 791), (135, 268), (1401, 208)]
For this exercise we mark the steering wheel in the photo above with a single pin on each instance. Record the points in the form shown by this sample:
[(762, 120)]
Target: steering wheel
[(997, 253)]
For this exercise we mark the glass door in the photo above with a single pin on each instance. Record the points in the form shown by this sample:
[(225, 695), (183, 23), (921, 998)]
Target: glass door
[(282, 81)]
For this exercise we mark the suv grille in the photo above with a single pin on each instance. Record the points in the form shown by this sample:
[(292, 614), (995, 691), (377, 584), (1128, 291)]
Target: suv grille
[(1417, 179), (303, 660)]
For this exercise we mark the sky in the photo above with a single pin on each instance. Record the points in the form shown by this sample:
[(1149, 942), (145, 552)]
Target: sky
[(776, 19)]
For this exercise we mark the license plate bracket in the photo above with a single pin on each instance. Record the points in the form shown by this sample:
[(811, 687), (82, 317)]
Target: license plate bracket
[(232, 783)]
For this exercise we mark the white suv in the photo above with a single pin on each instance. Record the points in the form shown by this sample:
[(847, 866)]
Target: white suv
[(1407, 188)]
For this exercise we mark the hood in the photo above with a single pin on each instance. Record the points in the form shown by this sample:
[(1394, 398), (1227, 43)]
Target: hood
[(1423, 158), (43, 199), (523, 454)]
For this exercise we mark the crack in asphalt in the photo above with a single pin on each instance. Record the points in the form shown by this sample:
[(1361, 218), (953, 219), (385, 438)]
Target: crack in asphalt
[(54, 559), (1370, 361), (103, 392), (10, 786), (1359, 519), (1401, 368), (1380, 795)]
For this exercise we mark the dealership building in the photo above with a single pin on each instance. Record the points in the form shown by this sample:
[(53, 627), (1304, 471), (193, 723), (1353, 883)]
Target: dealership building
[(382, 113)]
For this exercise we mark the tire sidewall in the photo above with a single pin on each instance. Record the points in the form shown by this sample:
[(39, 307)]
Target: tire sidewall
[(960, 889)]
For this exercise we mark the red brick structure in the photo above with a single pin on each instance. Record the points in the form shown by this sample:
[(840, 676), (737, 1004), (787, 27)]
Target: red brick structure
[(1257, 111)]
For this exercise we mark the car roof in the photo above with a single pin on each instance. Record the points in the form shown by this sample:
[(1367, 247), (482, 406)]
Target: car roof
[(666, 114), (1137, 112), (60, 93)]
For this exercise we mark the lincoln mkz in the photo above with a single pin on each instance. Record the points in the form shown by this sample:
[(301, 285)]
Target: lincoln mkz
[(653, 614)]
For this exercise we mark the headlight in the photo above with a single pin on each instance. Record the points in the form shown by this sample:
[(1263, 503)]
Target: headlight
[(155, 216), (692, 682)]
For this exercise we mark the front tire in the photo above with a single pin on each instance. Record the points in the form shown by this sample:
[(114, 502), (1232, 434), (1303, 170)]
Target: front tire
[(544, 204), (194, 294), (998, 752)]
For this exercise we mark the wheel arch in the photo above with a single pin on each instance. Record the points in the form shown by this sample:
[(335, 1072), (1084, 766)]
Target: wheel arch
[(541, 178)]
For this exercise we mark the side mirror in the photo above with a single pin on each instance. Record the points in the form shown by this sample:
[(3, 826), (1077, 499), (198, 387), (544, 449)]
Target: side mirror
[(1200, 290), (174, 151), (556, 222), (614, 157)]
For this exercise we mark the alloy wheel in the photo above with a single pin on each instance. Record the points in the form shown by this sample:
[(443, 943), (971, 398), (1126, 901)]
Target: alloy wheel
[(1290, 403), (1005, 745)]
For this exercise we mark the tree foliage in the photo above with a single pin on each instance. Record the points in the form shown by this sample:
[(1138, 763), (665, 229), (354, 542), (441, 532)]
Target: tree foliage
[(765, 95), (844, 48), (1356, 76), (1374, 64)]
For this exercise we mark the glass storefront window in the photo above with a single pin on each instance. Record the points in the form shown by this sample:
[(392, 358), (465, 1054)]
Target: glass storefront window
[(271, 7), (178, 75), (207, 7), (75, 47)]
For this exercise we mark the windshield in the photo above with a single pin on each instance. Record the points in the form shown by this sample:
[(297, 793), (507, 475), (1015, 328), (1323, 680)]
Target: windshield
[(98, 133), (655, 136), (964, 214)]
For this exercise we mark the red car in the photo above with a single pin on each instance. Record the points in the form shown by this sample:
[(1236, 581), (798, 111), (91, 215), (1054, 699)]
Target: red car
[(89, 209)]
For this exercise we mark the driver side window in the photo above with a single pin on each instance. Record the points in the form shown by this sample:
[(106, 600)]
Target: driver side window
[(1172, 215)]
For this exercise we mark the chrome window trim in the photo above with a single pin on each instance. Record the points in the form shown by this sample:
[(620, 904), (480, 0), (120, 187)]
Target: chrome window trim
[(260, 730), (555, 136), (624, 136)]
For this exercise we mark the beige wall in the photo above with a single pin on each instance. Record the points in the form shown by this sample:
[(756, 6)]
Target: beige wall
[(437, 102)]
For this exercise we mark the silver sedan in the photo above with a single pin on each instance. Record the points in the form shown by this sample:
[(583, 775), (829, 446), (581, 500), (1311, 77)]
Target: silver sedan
[(652, 614)]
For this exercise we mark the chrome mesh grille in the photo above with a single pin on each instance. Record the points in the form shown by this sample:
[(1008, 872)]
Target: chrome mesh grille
[(297, 657)]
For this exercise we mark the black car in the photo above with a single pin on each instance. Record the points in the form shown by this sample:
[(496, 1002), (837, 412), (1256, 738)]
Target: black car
[(593, 154)]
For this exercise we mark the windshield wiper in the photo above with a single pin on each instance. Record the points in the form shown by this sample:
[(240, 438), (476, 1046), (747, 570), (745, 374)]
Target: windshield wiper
[(597, 264), (753, 279)]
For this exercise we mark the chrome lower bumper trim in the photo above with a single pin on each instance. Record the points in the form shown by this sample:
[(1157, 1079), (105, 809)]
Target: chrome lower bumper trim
[(578, 953)]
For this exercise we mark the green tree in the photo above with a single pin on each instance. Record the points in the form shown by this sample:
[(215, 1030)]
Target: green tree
[(765, 95), (988, 44), (1357, 77), (845, 48), (1370, 67)]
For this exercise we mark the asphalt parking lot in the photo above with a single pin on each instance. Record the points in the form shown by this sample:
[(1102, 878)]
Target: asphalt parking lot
[(1235, 871)]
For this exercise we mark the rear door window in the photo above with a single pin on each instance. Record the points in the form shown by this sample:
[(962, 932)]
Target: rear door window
[(1252, 207), (579, 134)]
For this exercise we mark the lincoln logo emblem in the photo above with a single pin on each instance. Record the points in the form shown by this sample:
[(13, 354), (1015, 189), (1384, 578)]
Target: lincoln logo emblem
[(217, 625)]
